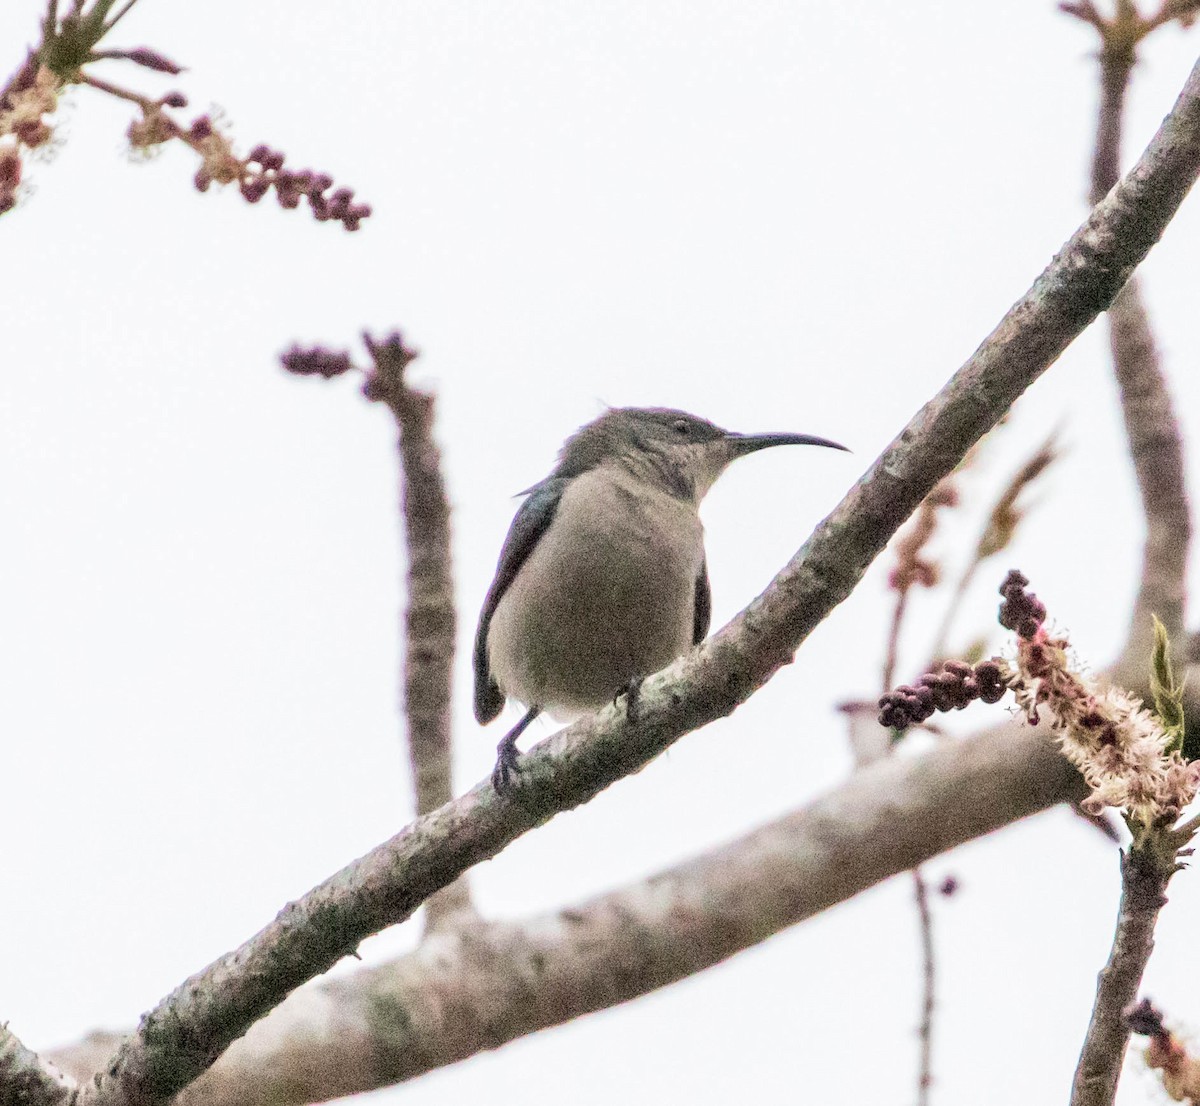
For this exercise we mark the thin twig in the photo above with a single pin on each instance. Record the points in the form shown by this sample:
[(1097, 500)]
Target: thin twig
[(920, 892), (429, 621), (1131, 761), (941, 641), (120, 14), (1144, 878), (144, 102), (190, 1028), (893, 640), (928, 966), (928, 988)]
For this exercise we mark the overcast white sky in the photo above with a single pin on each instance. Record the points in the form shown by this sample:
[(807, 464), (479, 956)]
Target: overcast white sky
[(782, 216)]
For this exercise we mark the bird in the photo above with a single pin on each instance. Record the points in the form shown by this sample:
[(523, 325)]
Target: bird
[(602, 579)]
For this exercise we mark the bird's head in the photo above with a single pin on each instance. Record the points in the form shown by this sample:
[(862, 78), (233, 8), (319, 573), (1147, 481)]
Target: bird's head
[(683, 452)]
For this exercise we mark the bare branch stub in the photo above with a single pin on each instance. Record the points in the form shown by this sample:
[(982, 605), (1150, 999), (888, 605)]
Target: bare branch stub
[(427, 634), (429, 621)]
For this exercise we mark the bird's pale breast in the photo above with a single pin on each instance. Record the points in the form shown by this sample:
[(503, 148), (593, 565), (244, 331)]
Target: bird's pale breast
[(606, 596)]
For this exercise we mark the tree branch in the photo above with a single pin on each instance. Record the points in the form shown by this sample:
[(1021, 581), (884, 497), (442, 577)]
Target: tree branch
[(192, 1026), (1151, 426), (1118, 53), (474, 988), (26, 1079), (1145, 873), (1156, 448), (429, 621)]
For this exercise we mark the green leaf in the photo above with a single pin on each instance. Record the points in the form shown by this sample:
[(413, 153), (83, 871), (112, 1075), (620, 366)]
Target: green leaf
[(1168, 695)]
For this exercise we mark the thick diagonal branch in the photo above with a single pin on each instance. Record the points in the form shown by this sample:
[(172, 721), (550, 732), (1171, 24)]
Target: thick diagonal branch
[(26, 1079), (429, 621), (474, 988), (193, 1025)]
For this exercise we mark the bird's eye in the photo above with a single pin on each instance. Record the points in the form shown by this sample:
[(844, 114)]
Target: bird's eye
[(681, 427)]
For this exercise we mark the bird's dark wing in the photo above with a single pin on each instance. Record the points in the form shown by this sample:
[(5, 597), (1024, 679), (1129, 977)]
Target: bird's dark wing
[(703, 615), (531, 521)]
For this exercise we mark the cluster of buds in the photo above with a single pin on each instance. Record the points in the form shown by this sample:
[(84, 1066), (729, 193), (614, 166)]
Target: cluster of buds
[(255, 175), (265, 169), (31, 94), (383, 381), (316, 361), (1121, 749), (1022, 611), (70, 44), (952, 687), (1130, 757)]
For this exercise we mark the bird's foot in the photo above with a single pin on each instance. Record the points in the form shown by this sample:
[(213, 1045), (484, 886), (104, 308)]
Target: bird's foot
[(508, 755), (508, 765), (633, 698)]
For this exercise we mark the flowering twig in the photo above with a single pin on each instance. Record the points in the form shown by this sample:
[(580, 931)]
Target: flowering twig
[(29, 95), (1131, 759), (68, 49)]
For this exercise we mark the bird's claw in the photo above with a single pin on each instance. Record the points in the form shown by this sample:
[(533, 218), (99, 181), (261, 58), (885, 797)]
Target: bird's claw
[(633, 696), (507, 764)]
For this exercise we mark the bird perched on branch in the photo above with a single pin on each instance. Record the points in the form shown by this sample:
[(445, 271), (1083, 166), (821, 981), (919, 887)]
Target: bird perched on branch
[(602, 578)]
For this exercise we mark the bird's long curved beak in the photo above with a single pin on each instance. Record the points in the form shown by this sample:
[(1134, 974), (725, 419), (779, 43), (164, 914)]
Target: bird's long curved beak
[(742, 444)]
